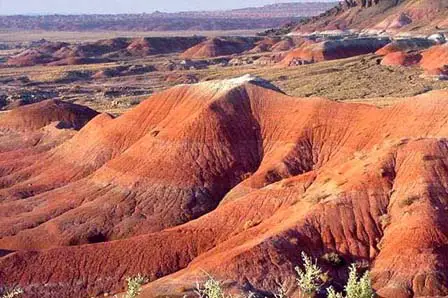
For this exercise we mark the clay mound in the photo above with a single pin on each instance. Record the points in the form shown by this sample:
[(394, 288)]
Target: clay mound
[(123, 70), (405, 45), (113, 44), (433, 61), (401, 59), (287, 44), (271, 59), (181, 78), (41, 54), (50, 47), (140, 47), (394, 22), (435, 57), (29, 58), (100, 51), (311, 52), (67, 52), (28, 133), (233, 178), (77, 61), (91, 49), (61, 54), (264, 45), (39, 115), (440, 73), (216, 47), (153, 46), (389, 15)]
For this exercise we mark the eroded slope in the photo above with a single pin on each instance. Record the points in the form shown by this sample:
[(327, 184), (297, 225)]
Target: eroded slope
[(235, 178)]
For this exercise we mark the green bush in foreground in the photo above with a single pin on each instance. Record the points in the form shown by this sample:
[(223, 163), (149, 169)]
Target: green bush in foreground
[(134, 285), (358, 287), (310, 282), (211, 289), (309, 278), (12, 293)]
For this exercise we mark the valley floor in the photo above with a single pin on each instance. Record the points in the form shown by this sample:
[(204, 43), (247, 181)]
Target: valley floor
[(360, 78)]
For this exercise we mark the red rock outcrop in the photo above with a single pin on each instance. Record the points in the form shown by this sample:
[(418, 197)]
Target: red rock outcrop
[(234, 178)]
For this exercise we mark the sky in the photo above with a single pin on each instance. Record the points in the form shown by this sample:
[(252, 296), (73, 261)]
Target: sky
[(9, 7)]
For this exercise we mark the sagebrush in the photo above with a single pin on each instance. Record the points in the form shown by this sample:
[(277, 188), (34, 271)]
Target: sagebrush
[(12, 293), (310, 280), (134, 285)]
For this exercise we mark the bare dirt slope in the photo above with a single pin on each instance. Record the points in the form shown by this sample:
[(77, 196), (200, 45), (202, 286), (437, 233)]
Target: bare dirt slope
[(235, 178)]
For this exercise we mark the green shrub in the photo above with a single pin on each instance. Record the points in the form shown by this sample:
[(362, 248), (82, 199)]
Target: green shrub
[(281, 293), (409, 201), (134, 285), (333, 259), (310, 281), (210, 289), (213, 289), (12, 293), (310, 277), (331, 293), (356, 287)]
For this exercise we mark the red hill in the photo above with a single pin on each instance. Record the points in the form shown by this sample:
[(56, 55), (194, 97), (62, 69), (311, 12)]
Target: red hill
[(234, 178), (216, 47)]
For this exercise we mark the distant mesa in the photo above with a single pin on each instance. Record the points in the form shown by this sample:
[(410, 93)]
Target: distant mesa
[(269, 16)]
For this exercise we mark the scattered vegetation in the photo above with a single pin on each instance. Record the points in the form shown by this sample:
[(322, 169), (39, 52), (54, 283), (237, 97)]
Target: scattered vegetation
[(310, 280), (211, 289), (134, 285), (12, 293), (251, 223), (384, 220), (333, 259), (281, 293), (357, 287), (409, 201)]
